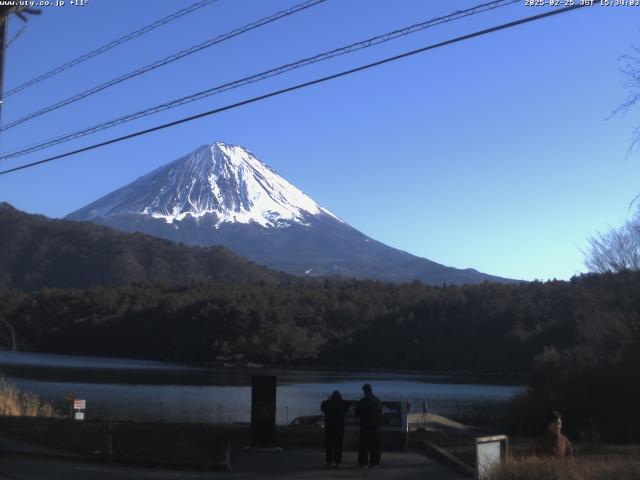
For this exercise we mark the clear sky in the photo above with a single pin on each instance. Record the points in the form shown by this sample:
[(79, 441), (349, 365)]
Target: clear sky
[(496, 153)]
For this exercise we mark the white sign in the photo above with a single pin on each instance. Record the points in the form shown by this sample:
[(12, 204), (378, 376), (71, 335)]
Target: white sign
[(490, 452), (79, 416), (79, 404)]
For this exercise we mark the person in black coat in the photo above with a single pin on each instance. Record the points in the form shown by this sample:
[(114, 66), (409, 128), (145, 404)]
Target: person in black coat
[(369, 411), (334, 410)]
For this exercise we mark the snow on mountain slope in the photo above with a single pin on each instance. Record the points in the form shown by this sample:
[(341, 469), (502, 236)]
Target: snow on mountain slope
[(223, 195), (224, 180)]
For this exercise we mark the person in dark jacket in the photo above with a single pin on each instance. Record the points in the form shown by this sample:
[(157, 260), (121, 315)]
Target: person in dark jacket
[(369, 411), (552, 443), (334, 410)]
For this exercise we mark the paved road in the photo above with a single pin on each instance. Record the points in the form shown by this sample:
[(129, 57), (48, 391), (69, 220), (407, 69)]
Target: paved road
[(292, 463)]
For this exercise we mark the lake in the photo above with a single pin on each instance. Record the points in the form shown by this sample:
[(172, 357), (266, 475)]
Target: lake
[(140, 390)]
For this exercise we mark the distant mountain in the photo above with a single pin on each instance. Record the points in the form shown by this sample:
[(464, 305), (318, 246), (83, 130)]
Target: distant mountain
[(36, 252), (223, 195)]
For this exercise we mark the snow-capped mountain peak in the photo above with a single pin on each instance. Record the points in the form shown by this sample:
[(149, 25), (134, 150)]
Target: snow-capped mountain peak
[(220, 179), (222, 194)]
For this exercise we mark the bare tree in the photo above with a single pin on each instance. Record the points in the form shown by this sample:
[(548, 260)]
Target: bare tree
[(631, 68), (616, 250)]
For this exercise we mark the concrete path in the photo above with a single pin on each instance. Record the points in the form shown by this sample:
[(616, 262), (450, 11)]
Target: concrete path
[(309, 463), (20, 467), (292, 463)]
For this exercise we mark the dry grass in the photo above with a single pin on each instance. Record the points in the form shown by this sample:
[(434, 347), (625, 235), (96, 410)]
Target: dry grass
[(578, 468), (13, 402)]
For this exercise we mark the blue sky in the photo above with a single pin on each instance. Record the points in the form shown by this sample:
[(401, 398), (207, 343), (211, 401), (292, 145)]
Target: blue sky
[(496, 153)]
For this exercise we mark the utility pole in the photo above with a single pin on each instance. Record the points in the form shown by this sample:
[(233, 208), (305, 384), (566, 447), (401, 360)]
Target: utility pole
[(4, 27), (5, 11)]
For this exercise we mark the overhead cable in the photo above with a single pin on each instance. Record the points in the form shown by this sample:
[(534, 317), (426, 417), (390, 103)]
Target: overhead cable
[(107, 47), (299, 86), (164, 61), (258, 77)]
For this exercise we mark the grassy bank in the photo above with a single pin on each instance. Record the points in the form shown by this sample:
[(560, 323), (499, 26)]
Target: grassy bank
[(14, 402), (580, 468)]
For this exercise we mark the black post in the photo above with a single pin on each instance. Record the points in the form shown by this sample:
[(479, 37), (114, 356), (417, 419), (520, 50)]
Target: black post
[(263, 411)]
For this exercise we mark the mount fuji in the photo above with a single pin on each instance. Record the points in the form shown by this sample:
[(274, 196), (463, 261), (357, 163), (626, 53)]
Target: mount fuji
[(222, 194)]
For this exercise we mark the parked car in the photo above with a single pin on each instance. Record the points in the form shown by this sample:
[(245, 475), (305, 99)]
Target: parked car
[(317, 420)]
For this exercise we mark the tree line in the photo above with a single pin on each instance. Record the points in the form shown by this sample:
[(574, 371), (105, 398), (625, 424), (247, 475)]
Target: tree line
[(578, 341)]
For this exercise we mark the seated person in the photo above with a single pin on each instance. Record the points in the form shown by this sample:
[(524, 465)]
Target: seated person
[(552, 443)]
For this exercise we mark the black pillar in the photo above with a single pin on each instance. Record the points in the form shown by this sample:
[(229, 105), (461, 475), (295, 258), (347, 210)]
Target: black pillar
[(263, 410)]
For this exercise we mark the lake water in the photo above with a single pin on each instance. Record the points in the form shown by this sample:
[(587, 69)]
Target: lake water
[(124, 389)]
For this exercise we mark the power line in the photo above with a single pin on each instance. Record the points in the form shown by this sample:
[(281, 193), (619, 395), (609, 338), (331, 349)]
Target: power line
[(5, 11), (258, 77), (299, 86), (165, 61), (108, 46)]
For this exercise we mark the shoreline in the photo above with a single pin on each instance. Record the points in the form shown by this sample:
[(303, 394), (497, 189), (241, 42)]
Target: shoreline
[(169, 367)]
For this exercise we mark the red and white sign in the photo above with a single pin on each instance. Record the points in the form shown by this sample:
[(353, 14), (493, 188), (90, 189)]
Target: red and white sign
[(79, 404)]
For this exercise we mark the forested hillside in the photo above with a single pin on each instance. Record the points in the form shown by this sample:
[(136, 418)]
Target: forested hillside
[(488, 327), (37, 252)]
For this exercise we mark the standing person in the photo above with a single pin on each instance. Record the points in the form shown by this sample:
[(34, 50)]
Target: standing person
[(369, 411), (334, 409), (424, 408), (552, 443)]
